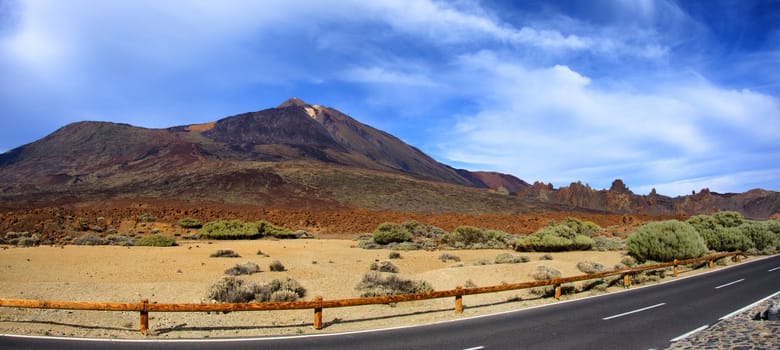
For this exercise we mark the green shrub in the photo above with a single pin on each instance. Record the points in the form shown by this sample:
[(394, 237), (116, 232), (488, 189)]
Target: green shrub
[(288, 284), (283, 296), (587, 228), (553, 239), (729, 218), (724, 239), (190, 223), (246, 268), (375, 284), (404, 246), (760, 234), (394, 255), (470, 237), (665, 241), (266, 228), (368, 244), (389, 232), (155, 241), (233, 229)]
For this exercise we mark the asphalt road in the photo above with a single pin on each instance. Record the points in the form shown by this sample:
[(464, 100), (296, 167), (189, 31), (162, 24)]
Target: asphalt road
[(642, 318)]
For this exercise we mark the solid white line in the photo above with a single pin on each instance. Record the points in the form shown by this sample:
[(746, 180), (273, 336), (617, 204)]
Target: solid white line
[(730, 283), (686, 335), (476, 348), (633, 312), (776, 268), (749, 306)]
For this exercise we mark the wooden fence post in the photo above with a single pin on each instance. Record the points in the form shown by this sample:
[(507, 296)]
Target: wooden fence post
[(459, 300), (626, 281), (675, 268), (711, 264), (144, 316), (318, 313), (737, 258), (557, 292)]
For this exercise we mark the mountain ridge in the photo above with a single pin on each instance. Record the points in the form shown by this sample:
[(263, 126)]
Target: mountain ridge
[(302, 155)]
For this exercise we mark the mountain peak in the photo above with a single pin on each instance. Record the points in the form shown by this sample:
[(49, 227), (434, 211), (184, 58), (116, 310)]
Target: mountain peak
[(293, 101)]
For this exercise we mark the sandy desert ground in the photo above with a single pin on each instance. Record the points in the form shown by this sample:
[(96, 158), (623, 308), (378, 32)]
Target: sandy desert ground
[(330, 268)]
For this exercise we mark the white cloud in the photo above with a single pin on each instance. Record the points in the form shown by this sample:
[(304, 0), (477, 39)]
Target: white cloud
[(552, 124), (379, 75)]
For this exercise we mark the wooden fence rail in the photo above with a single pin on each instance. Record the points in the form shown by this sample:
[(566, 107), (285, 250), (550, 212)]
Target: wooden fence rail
[(144, 307)]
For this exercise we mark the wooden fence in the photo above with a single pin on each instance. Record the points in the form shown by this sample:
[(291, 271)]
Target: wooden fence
[(144, 307)]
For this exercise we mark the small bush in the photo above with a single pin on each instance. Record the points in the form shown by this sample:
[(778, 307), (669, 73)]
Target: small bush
[(590, 267), (389, 232), (470, 237), (224, 253), (384, 266), (156, 241), (628, 260), (276, 266), (375, 284), (283, 296), (266, 228), (260, 252), (470, 284), (246, 268), (602, 243), (394, 255), (760, 234), (146, 217), (729, 218), (233, 290), (555, 238), (506, 258), (482, 262), (404, 246), (545, 273), (120, 240), (190, 223), (546, 257), (368, 244), (447, 256), (233, 229), (665, 241), (89, 239)]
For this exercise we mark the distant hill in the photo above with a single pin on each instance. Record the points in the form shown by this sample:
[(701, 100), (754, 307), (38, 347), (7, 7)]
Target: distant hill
[(300, 155)]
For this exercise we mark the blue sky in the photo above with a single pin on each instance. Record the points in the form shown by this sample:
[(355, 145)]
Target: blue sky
[(670, 95)]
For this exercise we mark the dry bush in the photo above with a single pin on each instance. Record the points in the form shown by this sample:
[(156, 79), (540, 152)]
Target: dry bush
[(246, 268), (276, 266), (506, 258), (375, 284), (545, 273), (447, 256), (590, 267), (225, 253), (384, 266)]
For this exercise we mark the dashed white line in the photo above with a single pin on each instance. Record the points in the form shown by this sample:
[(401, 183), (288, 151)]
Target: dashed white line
[(775, 269), (633, 311), (686, 335), (476, 348), (749, 306), (730, 283)]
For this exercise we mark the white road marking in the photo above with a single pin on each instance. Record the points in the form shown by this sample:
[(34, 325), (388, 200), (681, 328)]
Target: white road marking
[(730, 283), (776, 268), (476, 348), (686, 335), (633, 312), (749, 306)]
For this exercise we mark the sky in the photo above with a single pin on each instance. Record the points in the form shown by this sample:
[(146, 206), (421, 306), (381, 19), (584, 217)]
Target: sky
[(672, 95)]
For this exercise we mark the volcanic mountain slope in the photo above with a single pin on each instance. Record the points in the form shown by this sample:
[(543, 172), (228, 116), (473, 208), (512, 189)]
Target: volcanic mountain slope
[(299, 155), (293, 155)]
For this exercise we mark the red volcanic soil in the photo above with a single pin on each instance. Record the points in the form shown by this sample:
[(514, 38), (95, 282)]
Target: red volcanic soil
[(57, 223)]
